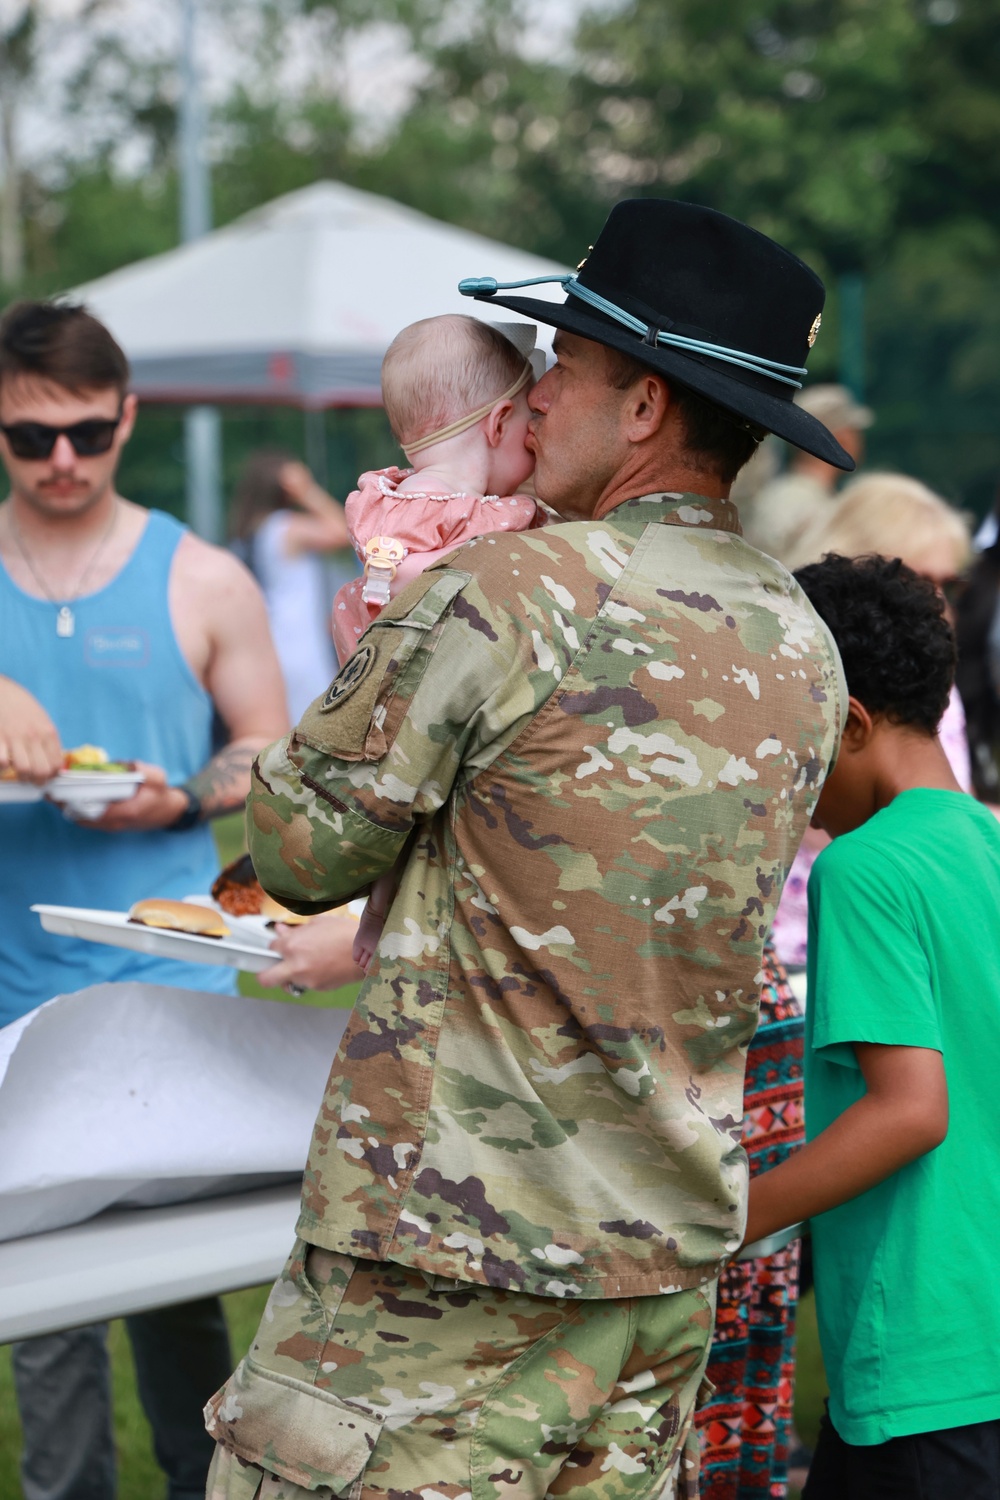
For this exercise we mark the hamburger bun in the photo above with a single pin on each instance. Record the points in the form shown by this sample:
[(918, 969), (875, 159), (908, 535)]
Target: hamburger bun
[(178, 916)]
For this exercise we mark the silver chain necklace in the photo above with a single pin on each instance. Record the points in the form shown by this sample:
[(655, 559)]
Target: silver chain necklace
[(65, 618)]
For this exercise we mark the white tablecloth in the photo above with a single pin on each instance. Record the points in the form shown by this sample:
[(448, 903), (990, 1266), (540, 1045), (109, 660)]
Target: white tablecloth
[(141, 1094)]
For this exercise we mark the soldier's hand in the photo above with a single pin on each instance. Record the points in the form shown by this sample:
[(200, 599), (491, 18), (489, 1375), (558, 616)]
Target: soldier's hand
[(29, 742), (314, 956)]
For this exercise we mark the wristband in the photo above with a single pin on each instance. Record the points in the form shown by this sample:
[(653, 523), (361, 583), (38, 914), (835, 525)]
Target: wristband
[(191, 814)]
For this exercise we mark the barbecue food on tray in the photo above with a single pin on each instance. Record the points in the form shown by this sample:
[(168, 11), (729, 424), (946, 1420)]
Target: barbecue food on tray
[(178, 916), (94, 758), (240, 893), (83, 758)]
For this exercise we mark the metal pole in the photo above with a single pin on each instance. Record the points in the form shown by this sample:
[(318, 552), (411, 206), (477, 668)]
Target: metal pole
[(203, 460), (852, 333), (202, 425)]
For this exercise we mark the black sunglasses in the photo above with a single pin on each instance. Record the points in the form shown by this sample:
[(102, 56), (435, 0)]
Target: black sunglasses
[(37, 439)]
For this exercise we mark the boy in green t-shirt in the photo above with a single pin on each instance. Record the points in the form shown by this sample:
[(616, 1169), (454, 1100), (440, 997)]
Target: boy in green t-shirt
[(901, 1173)]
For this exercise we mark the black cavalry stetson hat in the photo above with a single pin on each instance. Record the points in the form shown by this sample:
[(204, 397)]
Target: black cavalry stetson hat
[(701, 299)]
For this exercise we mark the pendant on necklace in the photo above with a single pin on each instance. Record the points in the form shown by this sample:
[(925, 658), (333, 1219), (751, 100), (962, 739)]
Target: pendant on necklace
[(65, 621)]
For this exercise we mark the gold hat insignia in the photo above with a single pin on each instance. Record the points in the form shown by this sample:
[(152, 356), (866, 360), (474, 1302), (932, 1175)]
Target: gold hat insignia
[(814, 330), (583, 262)]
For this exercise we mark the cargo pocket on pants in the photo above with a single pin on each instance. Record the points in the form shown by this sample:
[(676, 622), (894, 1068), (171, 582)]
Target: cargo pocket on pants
[(270, 1413), (293, 1430)]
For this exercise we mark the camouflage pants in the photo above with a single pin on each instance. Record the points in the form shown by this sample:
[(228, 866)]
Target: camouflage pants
[(371, 1381)]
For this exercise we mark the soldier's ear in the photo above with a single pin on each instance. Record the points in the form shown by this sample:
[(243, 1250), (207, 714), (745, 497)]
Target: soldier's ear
[(647, 402)]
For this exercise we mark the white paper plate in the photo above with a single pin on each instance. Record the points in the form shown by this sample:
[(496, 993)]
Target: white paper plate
[(20, 791), (114, 927), (87, 794), (82, 794)]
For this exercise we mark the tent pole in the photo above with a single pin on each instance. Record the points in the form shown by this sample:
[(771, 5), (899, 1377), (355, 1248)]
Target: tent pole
[(202, 425), (202, 453)]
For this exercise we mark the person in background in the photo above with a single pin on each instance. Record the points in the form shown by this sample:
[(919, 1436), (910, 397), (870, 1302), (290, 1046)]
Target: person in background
[(799, 502), (745, 1426), (899, 1178), (120, 628), (977, 632), (895, 516), (282, 522)]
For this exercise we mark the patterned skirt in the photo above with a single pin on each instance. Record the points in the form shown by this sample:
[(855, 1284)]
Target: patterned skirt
[(744, 1429)]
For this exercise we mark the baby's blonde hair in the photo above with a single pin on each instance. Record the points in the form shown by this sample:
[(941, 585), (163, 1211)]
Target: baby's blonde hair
[(440, 368), (895, 516)]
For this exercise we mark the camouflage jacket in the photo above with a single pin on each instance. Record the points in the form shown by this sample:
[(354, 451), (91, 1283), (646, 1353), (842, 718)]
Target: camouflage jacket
[(599, 745)]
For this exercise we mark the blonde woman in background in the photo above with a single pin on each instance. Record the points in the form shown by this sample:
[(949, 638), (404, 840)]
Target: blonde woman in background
[(895, 516)]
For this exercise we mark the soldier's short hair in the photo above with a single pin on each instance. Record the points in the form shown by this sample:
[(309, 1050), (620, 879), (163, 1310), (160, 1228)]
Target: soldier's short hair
[(437, 370), (62, 343), (891, 628), (719, 441)]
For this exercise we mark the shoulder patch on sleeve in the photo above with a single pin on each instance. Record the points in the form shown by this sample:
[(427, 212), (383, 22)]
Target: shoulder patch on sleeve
[(359, 716), (351, 675)]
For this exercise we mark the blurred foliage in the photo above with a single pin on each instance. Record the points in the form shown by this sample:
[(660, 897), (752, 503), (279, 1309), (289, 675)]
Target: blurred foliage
[(861, 133)]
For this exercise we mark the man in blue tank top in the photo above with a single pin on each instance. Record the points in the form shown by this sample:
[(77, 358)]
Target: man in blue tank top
[(120, 628)]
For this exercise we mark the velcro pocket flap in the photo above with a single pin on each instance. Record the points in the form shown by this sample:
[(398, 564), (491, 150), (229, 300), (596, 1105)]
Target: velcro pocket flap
[(292, 1429), (360, 714)]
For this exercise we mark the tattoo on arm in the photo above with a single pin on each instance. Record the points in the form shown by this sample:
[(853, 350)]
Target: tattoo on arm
[(222, 785)]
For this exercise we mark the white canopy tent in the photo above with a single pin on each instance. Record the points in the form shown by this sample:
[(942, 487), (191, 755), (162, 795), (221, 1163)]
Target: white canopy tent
[(296, 302)]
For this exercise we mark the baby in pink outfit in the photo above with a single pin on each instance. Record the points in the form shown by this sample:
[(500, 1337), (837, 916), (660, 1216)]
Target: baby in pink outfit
[(456, 395)]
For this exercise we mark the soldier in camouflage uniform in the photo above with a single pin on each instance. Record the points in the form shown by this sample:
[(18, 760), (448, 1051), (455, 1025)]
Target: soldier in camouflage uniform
[(599, 745)]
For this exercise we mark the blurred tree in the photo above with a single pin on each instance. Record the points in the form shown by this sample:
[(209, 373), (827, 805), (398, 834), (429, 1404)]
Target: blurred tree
[(834, 125), (859, 132), (17, 60)]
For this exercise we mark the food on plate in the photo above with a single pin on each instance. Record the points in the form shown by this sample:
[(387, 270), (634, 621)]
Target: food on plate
[(85, 758), (240, 893), (94, 758), (237, 889), (178, 916), (7, 773)]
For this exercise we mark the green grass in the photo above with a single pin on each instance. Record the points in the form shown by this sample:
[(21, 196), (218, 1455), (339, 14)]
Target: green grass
[(810, 1377), (139, 1475)]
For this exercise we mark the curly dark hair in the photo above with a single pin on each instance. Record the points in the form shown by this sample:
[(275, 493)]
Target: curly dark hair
[(892, 632)]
